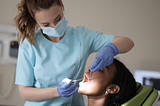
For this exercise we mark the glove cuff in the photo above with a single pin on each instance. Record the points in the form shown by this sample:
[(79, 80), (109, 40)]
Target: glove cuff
[(59, 91), (114, 48)]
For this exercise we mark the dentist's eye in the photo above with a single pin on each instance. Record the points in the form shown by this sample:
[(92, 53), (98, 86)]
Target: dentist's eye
[(58, 19), (46, 25), (101, 71)]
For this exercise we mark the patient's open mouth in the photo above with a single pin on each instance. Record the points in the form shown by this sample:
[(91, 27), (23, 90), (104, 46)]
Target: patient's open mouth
[(86, 78)]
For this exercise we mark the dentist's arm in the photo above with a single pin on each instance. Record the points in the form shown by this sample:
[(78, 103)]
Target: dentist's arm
[(29, 93), (124, 44), (106, 54), (65, 89)]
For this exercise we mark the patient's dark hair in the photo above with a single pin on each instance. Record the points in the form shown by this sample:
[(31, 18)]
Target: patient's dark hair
[(125, 80)]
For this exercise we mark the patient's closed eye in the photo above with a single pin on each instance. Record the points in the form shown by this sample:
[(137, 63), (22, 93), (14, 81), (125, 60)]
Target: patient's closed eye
[(101, 71)]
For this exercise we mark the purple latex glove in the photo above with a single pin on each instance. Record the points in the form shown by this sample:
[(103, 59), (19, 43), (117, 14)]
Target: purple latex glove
[(105, 57), (67, 88)]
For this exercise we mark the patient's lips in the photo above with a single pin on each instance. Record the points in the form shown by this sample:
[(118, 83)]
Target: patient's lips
[(85, 81), (86, 78)]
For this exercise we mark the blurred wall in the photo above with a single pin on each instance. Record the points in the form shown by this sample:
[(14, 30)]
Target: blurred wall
[(7, 13), (136, 19)]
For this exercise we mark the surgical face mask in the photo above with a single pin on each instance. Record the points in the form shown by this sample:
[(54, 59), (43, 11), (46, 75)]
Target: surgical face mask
[(58, 30)]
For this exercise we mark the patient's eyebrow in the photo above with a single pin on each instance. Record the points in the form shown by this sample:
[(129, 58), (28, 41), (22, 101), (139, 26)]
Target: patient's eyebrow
[(101, 71), (107, 67)]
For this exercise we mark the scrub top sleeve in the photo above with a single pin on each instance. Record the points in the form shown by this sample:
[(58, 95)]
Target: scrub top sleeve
[(94, 39), (100, 40), (25, 64)]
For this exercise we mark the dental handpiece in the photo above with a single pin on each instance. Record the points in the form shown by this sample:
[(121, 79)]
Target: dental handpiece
[(72, 81), (90, 73)]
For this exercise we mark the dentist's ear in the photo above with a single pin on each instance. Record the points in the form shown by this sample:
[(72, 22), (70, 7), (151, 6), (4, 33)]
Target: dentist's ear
[(62, 5), (112, 89)]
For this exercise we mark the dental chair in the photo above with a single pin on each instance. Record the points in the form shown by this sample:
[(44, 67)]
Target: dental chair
[(145, 96)]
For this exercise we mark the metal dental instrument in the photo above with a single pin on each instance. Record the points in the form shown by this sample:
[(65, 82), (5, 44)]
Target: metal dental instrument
[(77, 80), (90, 74), (72, 81)]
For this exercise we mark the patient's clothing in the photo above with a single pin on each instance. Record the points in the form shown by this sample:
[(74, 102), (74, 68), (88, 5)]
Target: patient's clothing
[(45, 64)]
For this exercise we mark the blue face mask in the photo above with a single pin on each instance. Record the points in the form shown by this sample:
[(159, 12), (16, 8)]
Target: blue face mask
[(58, 30)]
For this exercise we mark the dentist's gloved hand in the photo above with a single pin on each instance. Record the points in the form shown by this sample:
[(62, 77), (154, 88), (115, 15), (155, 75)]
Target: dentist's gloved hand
[(67, 88), (105, 57)]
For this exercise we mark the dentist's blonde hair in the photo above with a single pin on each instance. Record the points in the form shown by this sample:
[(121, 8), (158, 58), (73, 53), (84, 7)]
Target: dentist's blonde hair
[(25, 18)]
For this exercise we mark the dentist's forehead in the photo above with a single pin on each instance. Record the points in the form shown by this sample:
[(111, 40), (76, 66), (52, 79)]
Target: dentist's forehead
[(47, 15)]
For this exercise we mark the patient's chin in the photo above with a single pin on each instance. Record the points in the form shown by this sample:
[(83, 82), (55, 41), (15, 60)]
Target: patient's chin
[(87, 93), (82, 92), (85, 90), (82, 88)]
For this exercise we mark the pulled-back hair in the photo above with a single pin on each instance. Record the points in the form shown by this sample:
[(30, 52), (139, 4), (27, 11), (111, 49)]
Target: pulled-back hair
[(125, 80), (25, 18)]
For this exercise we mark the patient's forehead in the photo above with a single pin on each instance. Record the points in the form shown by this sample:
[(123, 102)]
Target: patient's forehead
[(110, 71), (111, 68)]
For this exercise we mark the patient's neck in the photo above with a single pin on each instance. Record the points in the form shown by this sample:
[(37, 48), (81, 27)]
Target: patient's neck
[(96, 100)]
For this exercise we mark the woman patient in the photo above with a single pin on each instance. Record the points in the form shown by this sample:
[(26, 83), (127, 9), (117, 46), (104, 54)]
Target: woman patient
[(112, 85)]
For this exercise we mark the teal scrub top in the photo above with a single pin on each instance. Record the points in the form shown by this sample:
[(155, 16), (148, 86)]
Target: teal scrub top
[(45, 64)]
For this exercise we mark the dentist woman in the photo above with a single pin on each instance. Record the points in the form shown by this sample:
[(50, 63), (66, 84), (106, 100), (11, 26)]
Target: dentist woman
[(55, 51)]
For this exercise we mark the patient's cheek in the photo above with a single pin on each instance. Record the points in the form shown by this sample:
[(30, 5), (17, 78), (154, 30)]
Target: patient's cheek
[(82, 87), (89, 89)]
